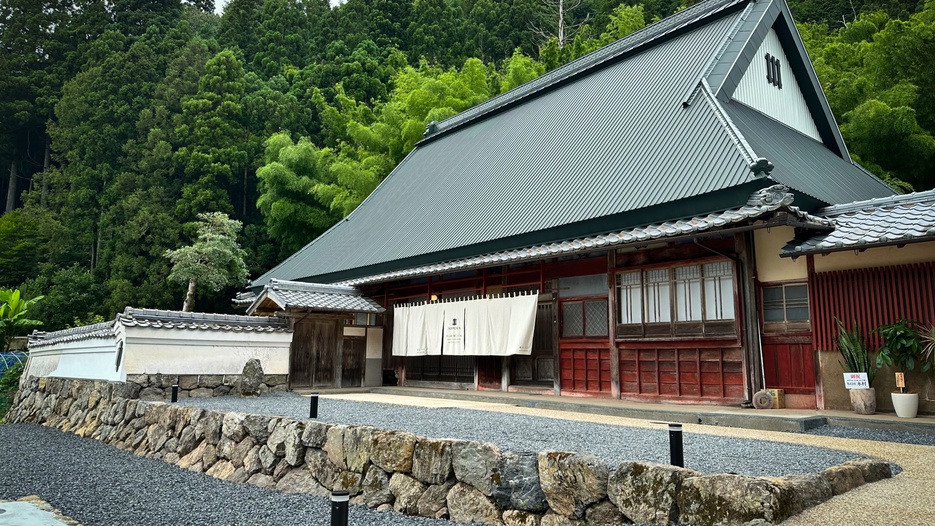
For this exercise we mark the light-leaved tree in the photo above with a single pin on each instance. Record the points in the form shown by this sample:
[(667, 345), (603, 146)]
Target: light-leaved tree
[(213, 262)]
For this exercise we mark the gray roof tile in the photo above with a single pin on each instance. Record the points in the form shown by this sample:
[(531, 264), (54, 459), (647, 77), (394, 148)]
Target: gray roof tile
[(161, 319), (766, 201), (315, 296), (873, 222)]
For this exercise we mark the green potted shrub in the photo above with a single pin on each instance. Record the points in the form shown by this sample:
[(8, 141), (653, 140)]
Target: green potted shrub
[(857, 359), (903, 349)]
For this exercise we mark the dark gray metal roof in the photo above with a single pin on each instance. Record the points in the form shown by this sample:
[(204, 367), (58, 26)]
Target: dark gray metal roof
[(875, 222), (630, 135), (772, 200), (314, 296), (803, 163), (615, 141)]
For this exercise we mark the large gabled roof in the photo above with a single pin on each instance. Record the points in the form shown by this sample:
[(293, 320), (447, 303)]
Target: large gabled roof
[(629, 135)]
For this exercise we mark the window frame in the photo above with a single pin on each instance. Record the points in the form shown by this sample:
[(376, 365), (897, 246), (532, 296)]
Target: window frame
[(583, 300), (703, 328), (785, 326)]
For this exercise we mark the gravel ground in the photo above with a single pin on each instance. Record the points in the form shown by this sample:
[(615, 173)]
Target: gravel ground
[(900, 437), (99, 485), (613, 444)]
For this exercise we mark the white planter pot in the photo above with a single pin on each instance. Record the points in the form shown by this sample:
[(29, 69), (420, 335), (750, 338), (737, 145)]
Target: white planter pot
[(906, 404)]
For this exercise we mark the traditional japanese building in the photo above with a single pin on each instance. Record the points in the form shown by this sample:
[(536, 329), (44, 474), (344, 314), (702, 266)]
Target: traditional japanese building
[(643, 194)]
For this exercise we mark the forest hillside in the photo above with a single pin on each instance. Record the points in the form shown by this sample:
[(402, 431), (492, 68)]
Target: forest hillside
[(123, 120)]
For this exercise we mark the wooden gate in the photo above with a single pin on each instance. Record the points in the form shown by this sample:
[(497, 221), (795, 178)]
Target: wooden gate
[(314, 353), (352, 361)]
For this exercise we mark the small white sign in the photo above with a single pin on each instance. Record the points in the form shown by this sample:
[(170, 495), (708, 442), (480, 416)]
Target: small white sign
[(856, 381)]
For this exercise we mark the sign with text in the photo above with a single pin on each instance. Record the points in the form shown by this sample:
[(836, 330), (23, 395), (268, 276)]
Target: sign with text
[(856, 381), (901, 380)]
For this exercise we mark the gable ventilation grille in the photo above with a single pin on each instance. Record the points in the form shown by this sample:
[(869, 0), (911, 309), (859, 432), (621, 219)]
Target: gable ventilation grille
[(773, 74)]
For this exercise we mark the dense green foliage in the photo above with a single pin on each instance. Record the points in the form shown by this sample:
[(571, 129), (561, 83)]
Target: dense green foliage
[(14, 316), (121, 121)]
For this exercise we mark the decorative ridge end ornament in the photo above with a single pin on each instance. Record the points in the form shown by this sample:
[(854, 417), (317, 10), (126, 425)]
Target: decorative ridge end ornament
[(430, 129), (773, 196), (761, 167)]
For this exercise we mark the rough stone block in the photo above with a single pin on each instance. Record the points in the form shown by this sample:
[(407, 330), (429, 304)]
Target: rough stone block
[(843, 478), (392, 450), (431, 460), (334, 445), (375, 488), (301, 481), (872, 469), (357, 442), (519, 486), (407, 491), (434, 499), (731, 499), (477, 464), (467, 504), (646, 492), (571, 481), (520, 518)]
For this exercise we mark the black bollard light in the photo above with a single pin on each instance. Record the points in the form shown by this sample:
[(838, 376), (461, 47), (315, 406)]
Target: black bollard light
[(339, 499), (676, 456), (175, 393), (313, 406)]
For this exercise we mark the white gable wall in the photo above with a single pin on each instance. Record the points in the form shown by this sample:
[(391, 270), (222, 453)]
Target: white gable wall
[(787, 105)]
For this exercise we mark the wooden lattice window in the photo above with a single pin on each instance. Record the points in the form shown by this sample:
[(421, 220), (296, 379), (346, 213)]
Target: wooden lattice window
[(682, 300)]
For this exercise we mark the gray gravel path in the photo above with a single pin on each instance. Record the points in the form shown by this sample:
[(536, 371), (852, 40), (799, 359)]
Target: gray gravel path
[(880, 435), (99, 485), (613, 444)]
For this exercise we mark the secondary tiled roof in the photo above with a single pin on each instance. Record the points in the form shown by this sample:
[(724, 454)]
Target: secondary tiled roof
[(169, 319), (767, 201), (161, 319), (875, 222), (86, 332), (314, 296)]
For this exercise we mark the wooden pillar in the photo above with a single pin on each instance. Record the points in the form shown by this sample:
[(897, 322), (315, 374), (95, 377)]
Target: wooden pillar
[(819, 385), (750, 324), (612, 325), (556, 362)]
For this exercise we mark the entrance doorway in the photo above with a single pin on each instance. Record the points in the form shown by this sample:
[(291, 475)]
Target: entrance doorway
[(539, 367)]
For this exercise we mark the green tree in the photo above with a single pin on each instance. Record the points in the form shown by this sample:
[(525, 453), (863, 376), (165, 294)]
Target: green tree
[(13, 316), (213, 136), (69, 292), (290, 199), (214, 261)]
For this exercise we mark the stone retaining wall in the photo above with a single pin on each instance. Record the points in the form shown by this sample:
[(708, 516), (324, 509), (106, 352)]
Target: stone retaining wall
[(461, 480), (159, 386)]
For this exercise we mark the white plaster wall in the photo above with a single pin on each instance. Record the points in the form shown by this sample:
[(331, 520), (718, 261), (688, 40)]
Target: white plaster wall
[(875, 257), (93, 359), (771, 267), (375, 343), (786, 105), (204, 352)]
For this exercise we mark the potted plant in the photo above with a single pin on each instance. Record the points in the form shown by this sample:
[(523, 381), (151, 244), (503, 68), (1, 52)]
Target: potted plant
[(903, 349), (857, 359)]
